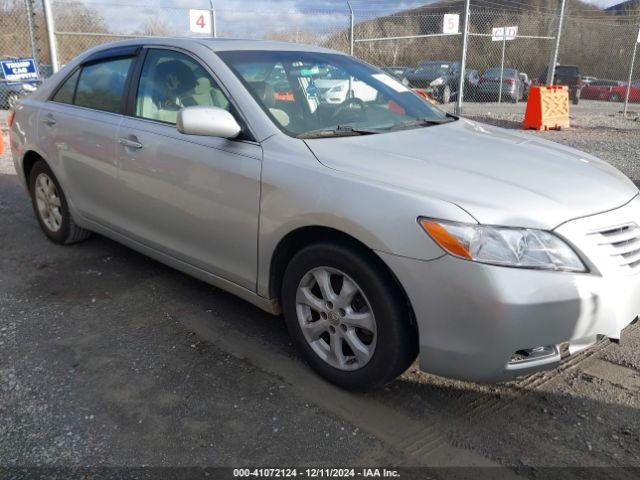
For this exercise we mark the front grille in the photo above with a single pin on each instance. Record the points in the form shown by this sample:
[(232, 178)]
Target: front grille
[(622, 244)]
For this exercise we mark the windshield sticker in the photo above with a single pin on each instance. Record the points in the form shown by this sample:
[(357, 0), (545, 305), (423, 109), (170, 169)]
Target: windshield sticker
[(390, 82)]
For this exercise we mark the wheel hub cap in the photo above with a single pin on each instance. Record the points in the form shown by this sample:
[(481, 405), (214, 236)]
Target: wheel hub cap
[(48, 202), (336, 318)]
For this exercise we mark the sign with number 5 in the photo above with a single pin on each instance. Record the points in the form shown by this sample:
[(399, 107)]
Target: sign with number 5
[(451, 23), (200, 21)]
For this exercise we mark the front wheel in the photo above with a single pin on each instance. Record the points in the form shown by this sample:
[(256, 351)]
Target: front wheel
[(346, 315)]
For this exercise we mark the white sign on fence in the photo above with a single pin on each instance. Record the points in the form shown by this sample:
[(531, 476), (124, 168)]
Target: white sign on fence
[(200, 21), (498, 34), (451, 23)]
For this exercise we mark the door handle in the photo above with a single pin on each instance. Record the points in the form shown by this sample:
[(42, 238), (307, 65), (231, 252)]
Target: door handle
[(125, 142), (48, 120)]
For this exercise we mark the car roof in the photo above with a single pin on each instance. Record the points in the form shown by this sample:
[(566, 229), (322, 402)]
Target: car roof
[(218, 44), (430, 62)]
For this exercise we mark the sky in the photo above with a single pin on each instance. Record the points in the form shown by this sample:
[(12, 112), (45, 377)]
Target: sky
[(253, 18)]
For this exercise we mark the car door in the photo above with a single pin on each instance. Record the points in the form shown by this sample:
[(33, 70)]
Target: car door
[(77, 130), (195, 198)]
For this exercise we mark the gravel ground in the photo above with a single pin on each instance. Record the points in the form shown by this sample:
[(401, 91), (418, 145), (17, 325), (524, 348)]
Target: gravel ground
[(110, 358)]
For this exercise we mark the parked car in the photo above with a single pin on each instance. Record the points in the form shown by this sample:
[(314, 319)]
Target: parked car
[(335, 86), (11, 92), (512, 85), (599, 89), (619, 92), (398, 72), (381, 228), (568, 75), (440, 79)]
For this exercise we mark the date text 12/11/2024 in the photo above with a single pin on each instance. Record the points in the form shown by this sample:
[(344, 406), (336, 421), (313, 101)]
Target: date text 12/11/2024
[(315, 473)]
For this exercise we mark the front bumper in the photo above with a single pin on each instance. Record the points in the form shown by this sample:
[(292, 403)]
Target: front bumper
[(473, 318)]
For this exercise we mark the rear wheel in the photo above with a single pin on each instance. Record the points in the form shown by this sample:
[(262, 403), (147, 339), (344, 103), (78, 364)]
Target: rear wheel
[(615, 97), (51, 208), (347, 317)]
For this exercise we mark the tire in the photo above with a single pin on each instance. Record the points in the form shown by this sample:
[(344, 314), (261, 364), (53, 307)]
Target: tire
[(51, 208), (615, 97), (445, 95), (376, 294)]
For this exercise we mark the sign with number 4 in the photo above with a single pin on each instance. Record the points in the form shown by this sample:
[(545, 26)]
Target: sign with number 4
[(200, 21)]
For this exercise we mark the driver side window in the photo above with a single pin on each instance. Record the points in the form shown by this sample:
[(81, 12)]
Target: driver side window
[(171, 80)]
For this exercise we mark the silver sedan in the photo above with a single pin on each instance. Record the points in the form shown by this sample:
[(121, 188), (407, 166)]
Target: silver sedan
[(382, 227)]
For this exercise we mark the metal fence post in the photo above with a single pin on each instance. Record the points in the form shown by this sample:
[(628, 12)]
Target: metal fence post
[(214, 32), (463, 60), (351, 28), (631, 67), (51, 35), (504, 48), (32, 35), (551, 68)]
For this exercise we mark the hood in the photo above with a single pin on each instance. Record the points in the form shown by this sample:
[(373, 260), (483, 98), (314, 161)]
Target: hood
[(499, 176)]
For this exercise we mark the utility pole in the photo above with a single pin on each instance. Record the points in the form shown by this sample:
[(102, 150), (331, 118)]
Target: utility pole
[(631, 67), (463, 60), (32, 34), (51, 35), (551, 69), (351, 28), (214, 32)]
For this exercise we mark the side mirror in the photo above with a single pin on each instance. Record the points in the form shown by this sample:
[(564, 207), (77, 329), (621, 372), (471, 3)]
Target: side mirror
[(207, 121)]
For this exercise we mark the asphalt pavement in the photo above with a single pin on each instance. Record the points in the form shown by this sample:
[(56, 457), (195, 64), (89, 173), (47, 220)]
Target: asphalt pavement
[(110, 358)]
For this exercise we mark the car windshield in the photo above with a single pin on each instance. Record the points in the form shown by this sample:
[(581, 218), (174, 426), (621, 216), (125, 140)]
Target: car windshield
[(494, 73), (323, 94), (573, 71)]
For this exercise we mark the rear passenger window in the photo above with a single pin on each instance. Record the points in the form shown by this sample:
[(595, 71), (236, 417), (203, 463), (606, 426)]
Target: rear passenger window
[(65, 92), (172, 80), (101, 85)]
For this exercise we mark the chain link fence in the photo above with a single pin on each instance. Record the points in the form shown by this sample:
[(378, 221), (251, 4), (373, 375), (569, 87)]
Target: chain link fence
[(419, 46), (20, 23)]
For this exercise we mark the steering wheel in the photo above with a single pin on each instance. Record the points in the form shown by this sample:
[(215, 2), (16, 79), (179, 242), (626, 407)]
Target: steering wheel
[(351, 105)]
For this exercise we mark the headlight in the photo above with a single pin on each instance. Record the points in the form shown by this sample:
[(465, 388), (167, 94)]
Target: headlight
[(405, 82), (29, 87), (513, 247), (437, 81)]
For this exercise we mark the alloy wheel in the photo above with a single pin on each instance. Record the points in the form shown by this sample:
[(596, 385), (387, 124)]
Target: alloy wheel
[(336, 318), (48, 202)]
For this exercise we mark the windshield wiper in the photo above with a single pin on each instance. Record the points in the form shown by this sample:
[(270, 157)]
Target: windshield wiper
[(424, 122), (339, 131)]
